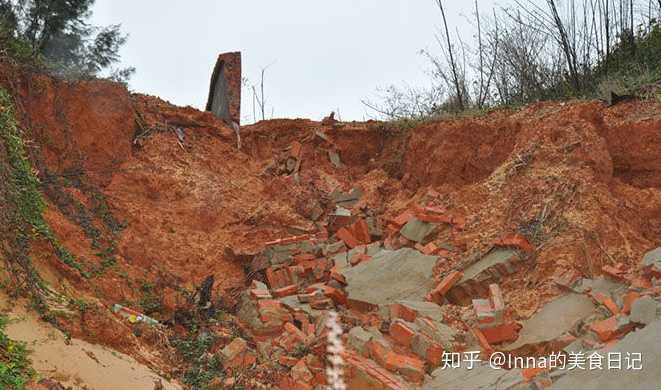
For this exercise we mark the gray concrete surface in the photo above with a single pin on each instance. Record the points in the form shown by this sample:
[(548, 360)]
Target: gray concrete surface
[(389, 276)]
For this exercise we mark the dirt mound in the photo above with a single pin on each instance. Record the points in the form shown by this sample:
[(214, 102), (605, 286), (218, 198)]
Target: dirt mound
[(147, 199)]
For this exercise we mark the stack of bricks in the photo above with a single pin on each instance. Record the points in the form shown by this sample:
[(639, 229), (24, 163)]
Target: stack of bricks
[(491, 321)]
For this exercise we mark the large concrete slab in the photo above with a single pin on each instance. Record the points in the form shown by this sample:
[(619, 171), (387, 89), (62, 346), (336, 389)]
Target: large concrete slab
[(553, 320), (404, 274), (646, 342), (481, 377)]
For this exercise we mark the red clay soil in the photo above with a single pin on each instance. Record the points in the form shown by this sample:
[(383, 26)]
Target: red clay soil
[(581, 180)]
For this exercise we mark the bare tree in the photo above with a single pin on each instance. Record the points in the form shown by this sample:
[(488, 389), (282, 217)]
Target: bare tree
[(453, 65)]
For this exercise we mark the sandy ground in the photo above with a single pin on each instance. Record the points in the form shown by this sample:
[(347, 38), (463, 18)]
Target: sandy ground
[(78, 364)]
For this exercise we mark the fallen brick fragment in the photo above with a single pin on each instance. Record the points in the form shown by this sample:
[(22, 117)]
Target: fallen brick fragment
[(347, 237), (628, 300), (285, 291), (361, 231), (402, 219), (237, 355), (484, 312), (607, 302), (287, 361), (363, 374), (487, 349), (423, 346), (401, 333), (403, 312), (611, 328), (501, 333), (614, 272), (496, 299), (288, 240), (446, 284), (301, 373), (320, 304), (359, 258), (260, 294), (378, 351), (516, 241), (412, 369)]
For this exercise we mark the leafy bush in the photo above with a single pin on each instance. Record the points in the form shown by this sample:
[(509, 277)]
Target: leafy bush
[(15, 369)]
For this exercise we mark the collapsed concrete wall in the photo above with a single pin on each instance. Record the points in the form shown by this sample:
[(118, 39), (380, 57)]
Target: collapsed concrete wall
[(225, 90)]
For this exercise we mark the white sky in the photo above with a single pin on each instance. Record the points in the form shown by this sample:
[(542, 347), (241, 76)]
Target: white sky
[(325, 55)]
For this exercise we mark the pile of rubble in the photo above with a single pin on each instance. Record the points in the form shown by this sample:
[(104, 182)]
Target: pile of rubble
[(403, 328)]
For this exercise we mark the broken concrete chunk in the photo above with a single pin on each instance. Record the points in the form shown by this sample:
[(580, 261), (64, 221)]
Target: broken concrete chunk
[(416, 230), (643, 311), (346, 199), (358, 339), (405, 274), (653, 259), (334, 158)]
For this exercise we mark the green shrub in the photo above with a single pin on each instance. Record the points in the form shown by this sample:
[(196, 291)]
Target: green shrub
[(15, 369)]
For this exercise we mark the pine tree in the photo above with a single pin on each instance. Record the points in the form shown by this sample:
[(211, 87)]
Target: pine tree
[(58, 31)]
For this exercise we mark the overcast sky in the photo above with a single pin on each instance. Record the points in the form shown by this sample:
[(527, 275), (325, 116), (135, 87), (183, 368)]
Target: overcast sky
[(323, 55)]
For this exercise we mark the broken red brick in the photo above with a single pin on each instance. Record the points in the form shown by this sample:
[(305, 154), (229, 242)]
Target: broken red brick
[(566, 278), (611, 328), (459, 221), (516, 241), (434, 355), (614, 272), (309, 297), (301, 373), (531, 372), (446, 284), (287, 240), (433, 218), (641, 283), (412, 369), (289, 383), (294, 331), (287, 361), (401, 333), (285, 291), (628, 300), (430, 249), (295, 150), (377, 351), (320, 304), (484, 312), (345, 235), (338, 296), (303, 257), (361, 231), (501, 333), (496, 297), (260, 294), (402, 219), (337, 276), (607, 302), (359, 258), (364, 374), (402, 312), (482, 340)]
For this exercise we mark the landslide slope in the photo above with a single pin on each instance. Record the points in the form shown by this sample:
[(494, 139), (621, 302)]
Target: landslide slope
[(145, 199)]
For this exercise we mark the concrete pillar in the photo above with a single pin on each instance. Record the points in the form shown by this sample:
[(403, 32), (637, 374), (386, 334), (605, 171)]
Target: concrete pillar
[(225, 90)]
